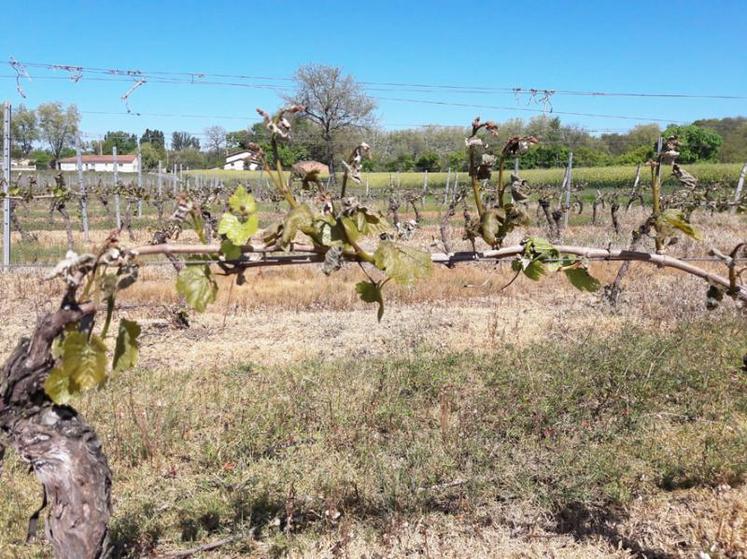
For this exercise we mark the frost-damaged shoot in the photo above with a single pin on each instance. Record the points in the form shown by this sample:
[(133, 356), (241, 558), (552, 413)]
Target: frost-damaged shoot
[(68, 350)]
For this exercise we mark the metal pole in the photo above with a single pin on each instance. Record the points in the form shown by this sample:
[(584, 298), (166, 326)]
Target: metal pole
[(82, 189), (159, 181), (6, 187), (115, 165), (139, 179), (740, 185), (173, 178), (568, 183), (516, 166)]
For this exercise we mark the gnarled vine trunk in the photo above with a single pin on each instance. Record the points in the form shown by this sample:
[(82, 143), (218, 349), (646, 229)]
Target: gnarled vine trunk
[(62, 449)]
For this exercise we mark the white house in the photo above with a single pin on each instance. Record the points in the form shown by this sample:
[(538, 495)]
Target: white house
[(103, 163), (240, 161)]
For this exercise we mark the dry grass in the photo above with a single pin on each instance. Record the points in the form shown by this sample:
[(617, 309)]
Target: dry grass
[(288, 399)]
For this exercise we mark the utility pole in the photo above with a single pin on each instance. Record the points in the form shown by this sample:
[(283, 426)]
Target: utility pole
[(115, 165), (568, 183), (6, 187), (83, 199)]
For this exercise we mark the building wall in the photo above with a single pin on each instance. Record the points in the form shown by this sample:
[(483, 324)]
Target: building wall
[(235, 165), (101, 167)]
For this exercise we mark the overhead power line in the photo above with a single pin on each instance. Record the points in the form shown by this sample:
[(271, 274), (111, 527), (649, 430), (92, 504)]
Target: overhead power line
[(200, 77)]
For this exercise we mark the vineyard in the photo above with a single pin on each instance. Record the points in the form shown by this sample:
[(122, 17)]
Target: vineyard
[(494, 362)]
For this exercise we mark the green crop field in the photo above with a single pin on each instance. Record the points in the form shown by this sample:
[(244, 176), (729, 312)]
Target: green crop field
[(593, 177)]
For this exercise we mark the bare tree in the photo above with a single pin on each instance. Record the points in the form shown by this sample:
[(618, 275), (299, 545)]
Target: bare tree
[(334, 102), (216, 138)]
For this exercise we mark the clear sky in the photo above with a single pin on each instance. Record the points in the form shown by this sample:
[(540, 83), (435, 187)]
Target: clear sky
[(690, 47)]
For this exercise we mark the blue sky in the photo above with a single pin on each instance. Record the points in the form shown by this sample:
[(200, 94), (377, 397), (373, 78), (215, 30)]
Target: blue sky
[(691, 47)]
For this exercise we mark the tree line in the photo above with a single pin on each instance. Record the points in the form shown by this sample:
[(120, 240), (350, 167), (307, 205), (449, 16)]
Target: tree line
[(339, 115)]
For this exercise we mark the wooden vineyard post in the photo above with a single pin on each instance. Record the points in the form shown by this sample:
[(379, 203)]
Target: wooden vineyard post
[(82, 190), (139, 179), (117, 210), (6, 187), (446, 189), (568, 183), (740, 185)]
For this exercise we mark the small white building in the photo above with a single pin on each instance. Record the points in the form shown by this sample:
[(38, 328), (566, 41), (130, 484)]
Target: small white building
[(240, 161), (20, 165), (102, 163)]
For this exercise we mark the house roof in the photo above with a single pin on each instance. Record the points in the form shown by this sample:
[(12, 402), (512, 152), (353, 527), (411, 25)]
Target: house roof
[(100, 159), (240, 152)]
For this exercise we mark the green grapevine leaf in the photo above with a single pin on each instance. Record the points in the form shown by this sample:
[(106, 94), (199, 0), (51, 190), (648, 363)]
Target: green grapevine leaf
[(126, 348), (351, 229), (363, 223), (370, 292), (677, 219), (196, 284), (299, 217), (237, 231), (199, 226), (57, 386), (82, 367), (241, 202), (402, 263), (539, 245), (84, 360), (534, 270), (229, 250), (581, 279)]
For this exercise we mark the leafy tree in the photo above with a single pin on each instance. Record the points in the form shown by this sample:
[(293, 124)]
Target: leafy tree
[(545, 155), (153, 137), (151, 154), (734, 133), (635, 156), (124, 141), (696, 143), (238, 139), (428, 161), (401, 163), (184, 140), (334, 102), (189, 158), (288, 152), (585, 156), (24, 130), (457, 161), (41, 158), (57, 126)]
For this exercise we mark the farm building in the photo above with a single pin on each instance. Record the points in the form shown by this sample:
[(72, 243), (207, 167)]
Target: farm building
[(20, 165), (104, 163), (240, 161)]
